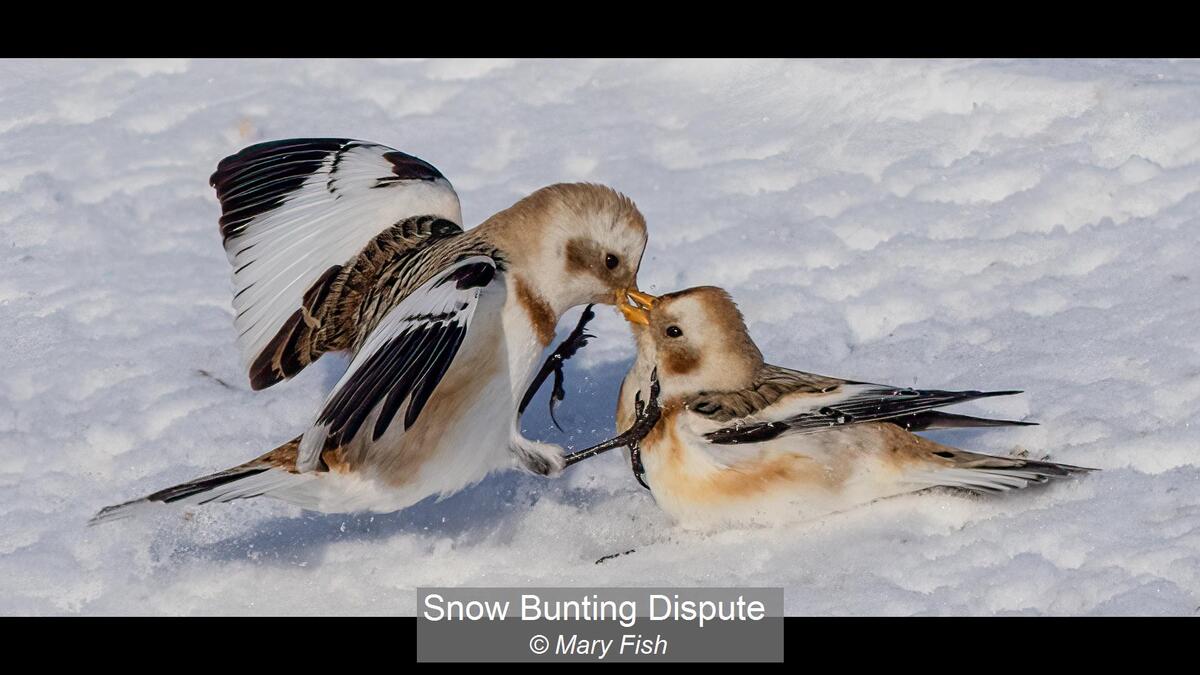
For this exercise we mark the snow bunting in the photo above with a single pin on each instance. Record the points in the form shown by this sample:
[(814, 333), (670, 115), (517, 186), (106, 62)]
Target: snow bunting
[(346, 246), (741, 440)]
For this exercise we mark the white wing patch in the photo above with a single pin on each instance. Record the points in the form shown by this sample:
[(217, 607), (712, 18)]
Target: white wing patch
[(402, 361), (292, 209)]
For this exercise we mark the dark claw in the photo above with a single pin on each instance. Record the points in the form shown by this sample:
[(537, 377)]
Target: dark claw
[(557, 393), (648, 415), (635, 461), (577, 340), (635, 449)]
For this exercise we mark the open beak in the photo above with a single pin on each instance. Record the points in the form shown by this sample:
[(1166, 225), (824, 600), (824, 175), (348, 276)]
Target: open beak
[(635, 305)]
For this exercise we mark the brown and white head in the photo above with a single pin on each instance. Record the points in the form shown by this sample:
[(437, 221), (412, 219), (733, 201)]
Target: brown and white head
[(696, 338), (575, 243)]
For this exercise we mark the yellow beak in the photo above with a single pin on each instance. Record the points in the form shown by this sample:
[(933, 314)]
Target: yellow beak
[(635, 305)]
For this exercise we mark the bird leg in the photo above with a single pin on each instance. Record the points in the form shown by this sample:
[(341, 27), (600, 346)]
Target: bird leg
[(647, 417), (554, 364), (635, 449)]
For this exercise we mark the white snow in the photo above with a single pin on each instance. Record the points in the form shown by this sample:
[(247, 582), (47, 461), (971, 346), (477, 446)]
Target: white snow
[(946, 224)]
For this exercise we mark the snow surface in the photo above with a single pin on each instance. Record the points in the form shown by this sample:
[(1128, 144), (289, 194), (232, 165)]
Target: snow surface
[(943, 224)]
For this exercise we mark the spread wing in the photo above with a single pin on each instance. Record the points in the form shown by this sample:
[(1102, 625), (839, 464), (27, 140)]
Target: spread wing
[(293, 212), (815, 403), (401, 363)]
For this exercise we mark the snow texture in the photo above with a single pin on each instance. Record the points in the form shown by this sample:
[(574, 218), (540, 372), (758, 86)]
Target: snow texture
[(951, 224)]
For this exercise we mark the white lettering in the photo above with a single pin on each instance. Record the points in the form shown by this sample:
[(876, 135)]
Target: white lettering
[(437, 608), (672, 608), (598, 647), (634, 644)]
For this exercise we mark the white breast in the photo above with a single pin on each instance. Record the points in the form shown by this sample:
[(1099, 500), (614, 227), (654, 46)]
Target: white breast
[(704, 485)]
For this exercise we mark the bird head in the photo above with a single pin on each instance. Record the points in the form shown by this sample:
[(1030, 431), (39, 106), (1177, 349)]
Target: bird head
[(580, 242), (696, 338)]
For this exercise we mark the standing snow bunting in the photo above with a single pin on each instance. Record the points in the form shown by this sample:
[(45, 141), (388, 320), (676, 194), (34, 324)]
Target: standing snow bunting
[(741, 440), (345, 246)]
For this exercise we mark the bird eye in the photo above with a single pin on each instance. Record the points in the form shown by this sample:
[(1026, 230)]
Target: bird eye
[(611, 261), (674, 331)]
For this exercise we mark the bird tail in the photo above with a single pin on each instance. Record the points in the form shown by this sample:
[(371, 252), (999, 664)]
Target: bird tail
[(936, 419), (990, 473), (274, 470)]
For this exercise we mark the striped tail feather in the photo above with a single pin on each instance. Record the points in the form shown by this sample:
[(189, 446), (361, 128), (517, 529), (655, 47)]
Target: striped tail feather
[(936, 419), (272, 471), (991, 473)]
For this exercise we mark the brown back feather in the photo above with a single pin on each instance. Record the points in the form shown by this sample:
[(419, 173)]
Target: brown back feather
[(770, 384), (346, 303)]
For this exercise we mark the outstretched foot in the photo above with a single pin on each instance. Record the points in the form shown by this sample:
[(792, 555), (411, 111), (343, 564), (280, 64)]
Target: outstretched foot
[(635, 448), (554, 365), (647, 417)]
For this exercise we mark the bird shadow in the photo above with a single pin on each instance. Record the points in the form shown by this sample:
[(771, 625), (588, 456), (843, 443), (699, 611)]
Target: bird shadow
[(491, 505)]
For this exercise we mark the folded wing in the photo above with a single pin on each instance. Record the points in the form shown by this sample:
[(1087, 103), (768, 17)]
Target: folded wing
[(811, 410)]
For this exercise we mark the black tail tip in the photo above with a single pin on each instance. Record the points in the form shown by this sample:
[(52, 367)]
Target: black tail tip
[(109, 514)]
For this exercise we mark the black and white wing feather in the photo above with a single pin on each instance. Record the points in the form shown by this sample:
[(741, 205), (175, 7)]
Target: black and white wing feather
[(401, 363), (293, 209), (853, 403)]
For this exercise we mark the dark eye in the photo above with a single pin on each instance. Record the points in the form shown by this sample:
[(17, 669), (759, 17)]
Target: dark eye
[(611, 261), (674, 331)]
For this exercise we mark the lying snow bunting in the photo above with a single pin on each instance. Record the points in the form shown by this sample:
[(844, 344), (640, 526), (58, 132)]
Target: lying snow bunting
[(741, 440), (342, 245)]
